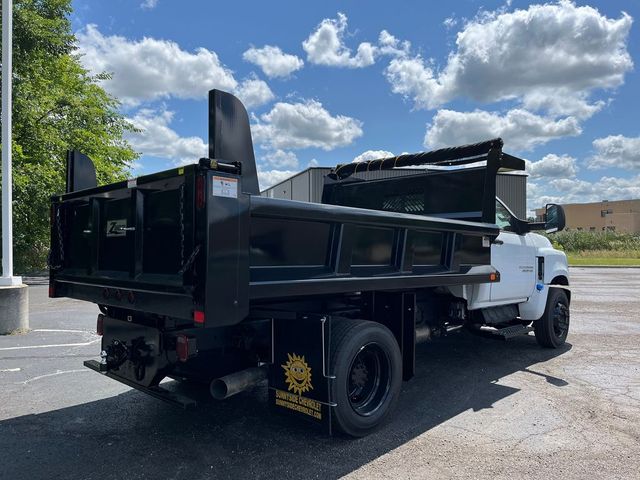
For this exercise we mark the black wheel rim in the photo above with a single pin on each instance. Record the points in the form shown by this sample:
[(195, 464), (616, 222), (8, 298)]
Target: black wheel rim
[(560, 320), (369, 379)]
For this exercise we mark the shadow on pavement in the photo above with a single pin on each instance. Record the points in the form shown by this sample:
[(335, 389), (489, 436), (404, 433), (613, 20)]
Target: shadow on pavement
[(134, 436)]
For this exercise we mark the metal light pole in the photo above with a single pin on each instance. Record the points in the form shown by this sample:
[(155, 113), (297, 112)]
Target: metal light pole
[(7, 227), (14, 297)]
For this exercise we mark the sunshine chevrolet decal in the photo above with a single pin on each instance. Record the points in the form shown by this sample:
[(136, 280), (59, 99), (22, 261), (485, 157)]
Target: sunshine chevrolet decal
[(299, 403), (297, 374), (297, 377)]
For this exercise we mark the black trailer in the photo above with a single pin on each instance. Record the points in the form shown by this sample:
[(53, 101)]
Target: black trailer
[(199, 277)]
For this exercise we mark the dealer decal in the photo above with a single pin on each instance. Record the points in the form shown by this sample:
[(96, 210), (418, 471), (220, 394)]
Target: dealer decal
[(298, 403), (297, 374)]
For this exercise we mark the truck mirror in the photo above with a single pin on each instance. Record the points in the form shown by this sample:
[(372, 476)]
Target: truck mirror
[(555, 219)]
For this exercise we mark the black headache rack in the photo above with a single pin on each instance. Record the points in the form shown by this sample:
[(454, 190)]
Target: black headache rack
[(467, 193), (198, 244)]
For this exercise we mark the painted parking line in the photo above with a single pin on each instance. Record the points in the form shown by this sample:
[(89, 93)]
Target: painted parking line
[(61, 331), (57, 372), (27, 347), (3, 370)]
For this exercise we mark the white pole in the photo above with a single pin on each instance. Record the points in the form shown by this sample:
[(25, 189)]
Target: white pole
[(7, 227)]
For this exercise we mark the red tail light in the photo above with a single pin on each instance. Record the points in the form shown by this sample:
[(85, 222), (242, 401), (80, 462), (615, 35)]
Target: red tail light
[(185, 347), (100, 325), (52, 291), (200, 194), (198, 316)]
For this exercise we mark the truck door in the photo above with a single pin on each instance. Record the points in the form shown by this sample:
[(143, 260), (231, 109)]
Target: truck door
[(514, 256)]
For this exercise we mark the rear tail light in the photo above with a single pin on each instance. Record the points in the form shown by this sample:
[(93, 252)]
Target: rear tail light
[(198, 316), (200, 196), (100, 325), (52, 291), (185, 347)]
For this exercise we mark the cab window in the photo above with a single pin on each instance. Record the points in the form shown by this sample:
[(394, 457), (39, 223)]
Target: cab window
[(504, 219)]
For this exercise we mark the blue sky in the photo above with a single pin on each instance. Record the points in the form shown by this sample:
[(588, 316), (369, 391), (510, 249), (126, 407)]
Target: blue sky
[(329, 82)]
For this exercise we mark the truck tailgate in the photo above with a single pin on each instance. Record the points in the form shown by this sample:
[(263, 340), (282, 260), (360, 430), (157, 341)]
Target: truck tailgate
[(127, 238)]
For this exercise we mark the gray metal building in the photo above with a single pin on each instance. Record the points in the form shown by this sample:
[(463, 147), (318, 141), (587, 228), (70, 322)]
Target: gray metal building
[(306, 186)]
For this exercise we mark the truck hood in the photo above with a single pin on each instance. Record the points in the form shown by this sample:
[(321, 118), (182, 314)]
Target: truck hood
[(540, 241)]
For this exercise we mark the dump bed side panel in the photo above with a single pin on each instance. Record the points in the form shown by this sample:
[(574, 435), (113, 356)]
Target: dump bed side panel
[(300, 248)]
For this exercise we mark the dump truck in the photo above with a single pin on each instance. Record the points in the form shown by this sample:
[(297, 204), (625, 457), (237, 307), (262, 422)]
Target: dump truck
[(199, 278)]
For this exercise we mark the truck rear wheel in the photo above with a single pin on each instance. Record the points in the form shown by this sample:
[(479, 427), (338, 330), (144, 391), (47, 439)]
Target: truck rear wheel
[(367, 364), (552, 328)]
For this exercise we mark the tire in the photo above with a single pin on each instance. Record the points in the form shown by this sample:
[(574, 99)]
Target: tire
[(552, 328), (367, 364)]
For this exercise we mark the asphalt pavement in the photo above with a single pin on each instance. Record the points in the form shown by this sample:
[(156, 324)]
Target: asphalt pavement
[(477, 408)]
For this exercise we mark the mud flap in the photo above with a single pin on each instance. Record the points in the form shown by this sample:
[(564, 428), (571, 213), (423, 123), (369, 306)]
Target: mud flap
[(299, 380)]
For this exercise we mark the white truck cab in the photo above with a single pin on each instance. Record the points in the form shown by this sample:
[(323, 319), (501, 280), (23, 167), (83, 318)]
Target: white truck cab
[(534, 278)]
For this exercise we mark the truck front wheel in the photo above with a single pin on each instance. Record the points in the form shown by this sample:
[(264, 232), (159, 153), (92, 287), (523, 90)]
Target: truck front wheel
[(367, 366), (552, 328)]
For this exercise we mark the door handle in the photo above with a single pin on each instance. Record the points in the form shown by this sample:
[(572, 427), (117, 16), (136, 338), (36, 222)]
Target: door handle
[(498, 242)]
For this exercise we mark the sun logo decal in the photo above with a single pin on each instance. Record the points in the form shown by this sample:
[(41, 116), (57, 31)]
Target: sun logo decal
[(297, 374)]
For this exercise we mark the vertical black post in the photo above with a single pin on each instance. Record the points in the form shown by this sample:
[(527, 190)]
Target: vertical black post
[(94, 235), (137, 200), (489, 199), (230, 137)]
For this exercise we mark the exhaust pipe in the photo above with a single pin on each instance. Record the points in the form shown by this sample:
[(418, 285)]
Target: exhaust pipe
[(225, 387), (423, 334)]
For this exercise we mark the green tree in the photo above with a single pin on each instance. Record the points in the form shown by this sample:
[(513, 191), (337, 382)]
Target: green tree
[(58, 105)]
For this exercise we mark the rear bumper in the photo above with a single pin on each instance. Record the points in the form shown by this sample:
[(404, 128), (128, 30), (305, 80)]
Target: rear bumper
[(157, 392)]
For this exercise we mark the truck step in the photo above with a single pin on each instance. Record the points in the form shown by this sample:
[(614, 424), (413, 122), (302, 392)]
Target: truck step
[(506, 332)]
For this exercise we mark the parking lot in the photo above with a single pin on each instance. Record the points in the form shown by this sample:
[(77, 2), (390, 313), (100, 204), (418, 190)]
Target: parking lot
[(477, 408)]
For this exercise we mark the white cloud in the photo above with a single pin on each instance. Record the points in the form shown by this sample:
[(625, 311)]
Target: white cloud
[(325, 46), (303, 125), (606, 188), (616, 151), (281, 159), (450, 22), (158, 139), (562, 103), (390, 45), (150, 69), (520, 129), (372, 155), (414, 78), (254, 92), (149, 4), (545, 54), (537, 198), (267, 178), (273, 61), (567, 190), (552, 166)]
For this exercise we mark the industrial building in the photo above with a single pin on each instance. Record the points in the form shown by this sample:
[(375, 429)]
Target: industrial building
[(618, 216), (306, 186)]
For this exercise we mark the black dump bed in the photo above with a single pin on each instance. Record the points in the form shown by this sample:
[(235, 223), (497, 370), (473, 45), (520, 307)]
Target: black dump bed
[(197, 244)]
